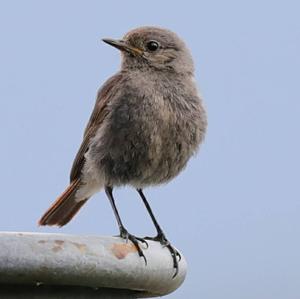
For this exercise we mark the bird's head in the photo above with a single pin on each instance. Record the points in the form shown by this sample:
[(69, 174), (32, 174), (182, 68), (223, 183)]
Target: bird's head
[(153, 47)]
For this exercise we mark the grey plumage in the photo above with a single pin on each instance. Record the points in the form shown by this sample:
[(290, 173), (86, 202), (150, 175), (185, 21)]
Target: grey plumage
[(150, 133), (147, 122), (155, 119)]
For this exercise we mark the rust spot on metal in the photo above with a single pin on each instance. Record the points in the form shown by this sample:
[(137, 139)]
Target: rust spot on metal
[(81, 247), (56, 248), (122, 250), (58, 245), (59, 242)]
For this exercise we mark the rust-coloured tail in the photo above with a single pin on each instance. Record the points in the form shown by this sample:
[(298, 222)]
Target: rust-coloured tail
[(64, 208)]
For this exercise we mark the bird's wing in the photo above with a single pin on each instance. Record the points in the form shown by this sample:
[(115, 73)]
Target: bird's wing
[(98, 115)]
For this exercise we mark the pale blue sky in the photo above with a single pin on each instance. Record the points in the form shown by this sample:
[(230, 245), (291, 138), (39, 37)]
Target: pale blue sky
[(235, 210)]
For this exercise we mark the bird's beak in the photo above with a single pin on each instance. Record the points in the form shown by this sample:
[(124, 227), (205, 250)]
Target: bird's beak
[(123, 46)]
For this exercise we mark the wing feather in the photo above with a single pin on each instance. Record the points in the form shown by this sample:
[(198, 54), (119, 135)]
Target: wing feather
[(99, 113)]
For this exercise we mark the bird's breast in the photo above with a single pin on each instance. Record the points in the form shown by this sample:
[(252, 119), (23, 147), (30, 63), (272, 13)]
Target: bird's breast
[(146, 139)]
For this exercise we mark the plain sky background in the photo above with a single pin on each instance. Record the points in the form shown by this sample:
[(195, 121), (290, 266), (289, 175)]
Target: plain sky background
[(235, 210)]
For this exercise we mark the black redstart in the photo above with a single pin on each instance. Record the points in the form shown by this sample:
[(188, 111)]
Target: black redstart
[(147, 122)]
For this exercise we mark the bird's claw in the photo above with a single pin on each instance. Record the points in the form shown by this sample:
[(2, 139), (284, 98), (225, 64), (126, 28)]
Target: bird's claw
[(127, 236), (176, 256)]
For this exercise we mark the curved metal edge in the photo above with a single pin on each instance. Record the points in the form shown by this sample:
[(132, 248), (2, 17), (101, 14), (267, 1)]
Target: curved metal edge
[(89, 261)]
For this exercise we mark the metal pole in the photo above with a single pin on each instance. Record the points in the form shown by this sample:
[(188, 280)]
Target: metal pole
[(68, 266)]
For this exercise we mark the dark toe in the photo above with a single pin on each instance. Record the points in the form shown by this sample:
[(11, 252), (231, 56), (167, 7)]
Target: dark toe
[(174, 252), (135, 240)]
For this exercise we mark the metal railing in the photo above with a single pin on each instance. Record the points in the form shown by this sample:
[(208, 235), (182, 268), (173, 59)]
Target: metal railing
[(70, 266)]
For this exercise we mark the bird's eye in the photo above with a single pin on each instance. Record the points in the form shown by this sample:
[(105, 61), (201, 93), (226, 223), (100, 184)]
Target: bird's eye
[(152, 45)]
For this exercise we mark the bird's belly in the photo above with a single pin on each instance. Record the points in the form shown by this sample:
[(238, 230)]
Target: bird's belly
[(140, 157), (146, 148)]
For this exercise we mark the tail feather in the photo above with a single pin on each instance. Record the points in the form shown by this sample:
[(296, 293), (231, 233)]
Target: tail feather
[(64, 208)]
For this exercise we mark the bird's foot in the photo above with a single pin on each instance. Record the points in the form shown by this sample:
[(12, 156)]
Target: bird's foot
[(127, 236), (161, 238)]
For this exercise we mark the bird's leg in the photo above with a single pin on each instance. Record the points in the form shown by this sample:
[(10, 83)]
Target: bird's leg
[(123, 231), (160, 234)]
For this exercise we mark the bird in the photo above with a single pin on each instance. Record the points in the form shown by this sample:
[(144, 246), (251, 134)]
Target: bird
[(148, 121)]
